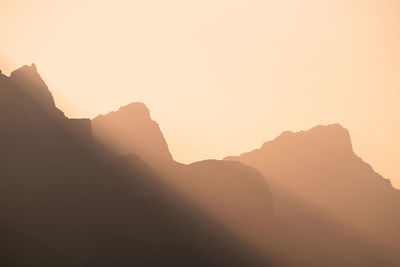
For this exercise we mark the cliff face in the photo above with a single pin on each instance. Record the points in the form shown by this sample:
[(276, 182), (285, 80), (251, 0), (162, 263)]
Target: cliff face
[(29, 81), (320, 165), (131, 130), (18, 106), (27, 107)]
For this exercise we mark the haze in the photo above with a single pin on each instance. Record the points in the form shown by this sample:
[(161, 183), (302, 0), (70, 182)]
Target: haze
[(221, 77)]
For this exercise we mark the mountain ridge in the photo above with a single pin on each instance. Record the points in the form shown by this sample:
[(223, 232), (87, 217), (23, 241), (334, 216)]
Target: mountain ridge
[(64, 205), (29, 80), (341, 133), (133, 123), (320, 165), (137, 204)]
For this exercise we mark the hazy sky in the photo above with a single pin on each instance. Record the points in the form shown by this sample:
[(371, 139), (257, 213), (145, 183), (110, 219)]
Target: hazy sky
[(221, 77)]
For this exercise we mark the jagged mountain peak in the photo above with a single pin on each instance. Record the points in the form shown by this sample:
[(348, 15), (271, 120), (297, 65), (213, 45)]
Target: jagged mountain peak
[(24, 96), (29, 80), (132, 130)]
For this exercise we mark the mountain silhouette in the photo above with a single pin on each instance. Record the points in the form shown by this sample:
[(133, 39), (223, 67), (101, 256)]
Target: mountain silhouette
[(319, 165), (130, 129), (107, 192), (231, 193), (18, 106), (283, 225), (28, 80), (63, 205)]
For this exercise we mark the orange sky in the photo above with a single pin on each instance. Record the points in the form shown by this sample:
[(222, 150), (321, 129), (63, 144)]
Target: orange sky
[(221, 76)]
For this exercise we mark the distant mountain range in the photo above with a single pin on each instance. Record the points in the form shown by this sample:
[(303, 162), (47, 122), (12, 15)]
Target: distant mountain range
[(320, 166), (107, 192)]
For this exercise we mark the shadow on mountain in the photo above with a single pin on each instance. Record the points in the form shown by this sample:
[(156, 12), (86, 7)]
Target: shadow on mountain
[(63, 204), (275, 220)]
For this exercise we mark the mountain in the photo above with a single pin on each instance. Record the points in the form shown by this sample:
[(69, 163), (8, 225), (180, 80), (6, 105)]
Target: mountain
[(231, 193), (107, 192), (218, 187), (275, 221), (320, 166), (17, 105), (130, 129), (63, 205), (29, 81)]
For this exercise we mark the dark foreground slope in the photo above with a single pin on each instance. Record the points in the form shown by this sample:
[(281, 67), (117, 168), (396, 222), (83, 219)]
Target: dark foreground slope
[(283, 226), (62, 205)]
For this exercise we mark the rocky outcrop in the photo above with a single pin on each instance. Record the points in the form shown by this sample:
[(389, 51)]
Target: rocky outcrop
[(131, 130), (29, 81), (27, 105)]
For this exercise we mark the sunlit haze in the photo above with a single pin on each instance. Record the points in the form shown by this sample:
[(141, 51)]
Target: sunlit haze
[(221, 77)]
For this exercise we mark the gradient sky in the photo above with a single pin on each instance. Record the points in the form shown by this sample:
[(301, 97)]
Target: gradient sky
[(223, 76)]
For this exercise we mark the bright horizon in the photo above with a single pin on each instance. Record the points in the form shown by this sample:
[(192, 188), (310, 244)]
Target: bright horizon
[(221, 77)]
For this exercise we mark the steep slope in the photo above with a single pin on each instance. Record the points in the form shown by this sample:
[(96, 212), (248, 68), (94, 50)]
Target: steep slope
[(320, 165), (130, 129), (29, 81), (62, 206), (18, 106)]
